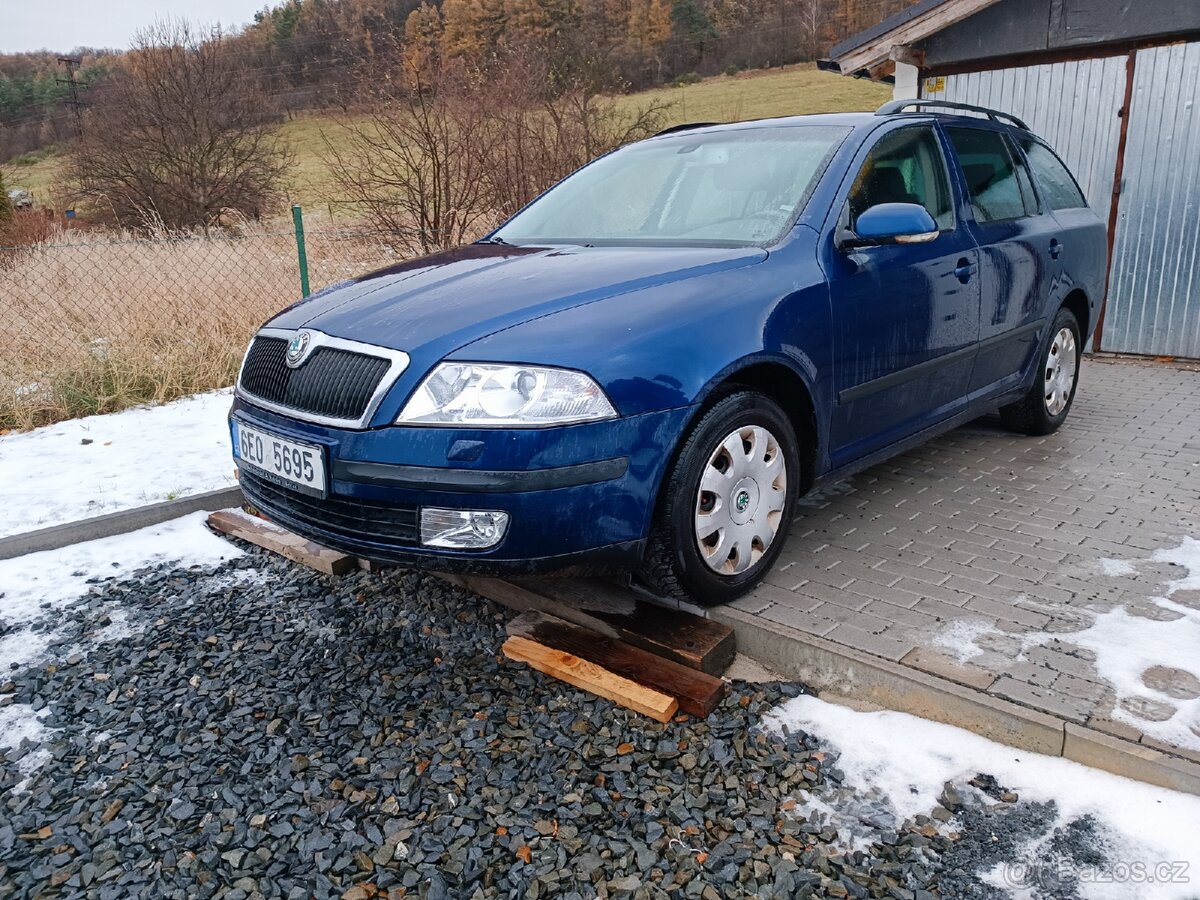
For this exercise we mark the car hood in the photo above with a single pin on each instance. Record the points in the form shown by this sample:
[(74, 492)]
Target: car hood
[(428, 307)]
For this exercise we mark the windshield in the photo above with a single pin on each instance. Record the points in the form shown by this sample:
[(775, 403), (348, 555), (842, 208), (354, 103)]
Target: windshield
[(738, 187)]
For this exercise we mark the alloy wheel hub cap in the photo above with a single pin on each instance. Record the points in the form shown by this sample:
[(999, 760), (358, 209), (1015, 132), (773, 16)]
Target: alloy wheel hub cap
[(739, 505)]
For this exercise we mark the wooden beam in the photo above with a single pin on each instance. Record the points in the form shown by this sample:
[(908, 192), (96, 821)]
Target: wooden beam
[(266, 534), (693, 641), (909, 55), (618, 613), (872, 53), (697, 693), (591, 677)]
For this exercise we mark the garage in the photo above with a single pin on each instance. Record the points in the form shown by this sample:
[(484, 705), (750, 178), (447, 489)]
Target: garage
[(1113, 86)]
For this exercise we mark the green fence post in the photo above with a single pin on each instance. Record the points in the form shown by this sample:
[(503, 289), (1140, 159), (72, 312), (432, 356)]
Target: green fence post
[(301, 253)]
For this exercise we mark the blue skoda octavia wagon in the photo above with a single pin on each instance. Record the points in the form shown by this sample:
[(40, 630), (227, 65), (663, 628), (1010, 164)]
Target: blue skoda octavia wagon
[(647, 366)]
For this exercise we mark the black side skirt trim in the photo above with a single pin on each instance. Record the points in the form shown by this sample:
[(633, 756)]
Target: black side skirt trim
[(479, 481), (893, 379)]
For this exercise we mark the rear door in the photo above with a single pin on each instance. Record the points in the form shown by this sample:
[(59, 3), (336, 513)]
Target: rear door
[(906, 316), (1019, 246), (1082, 239)]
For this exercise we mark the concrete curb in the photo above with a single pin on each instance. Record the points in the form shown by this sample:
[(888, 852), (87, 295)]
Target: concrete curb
[(839, 671), (126, 520)]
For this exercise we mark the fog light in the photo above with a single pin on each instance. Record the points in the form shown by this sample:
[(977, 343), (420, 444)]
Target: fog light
[(462, 529)]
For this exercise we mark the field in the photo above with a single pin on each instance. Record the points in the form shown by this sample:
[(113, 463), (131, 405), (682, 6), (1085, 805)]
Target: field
[(794, 90)]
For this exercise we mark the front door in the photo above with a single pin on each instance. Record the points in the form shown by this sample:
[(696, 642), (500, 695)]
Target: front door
[(906, 316)]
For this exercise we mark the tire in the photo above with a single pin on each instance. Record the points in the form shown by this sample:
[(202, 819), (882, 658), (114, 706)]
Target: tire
[(1045, 407), (743, 523)]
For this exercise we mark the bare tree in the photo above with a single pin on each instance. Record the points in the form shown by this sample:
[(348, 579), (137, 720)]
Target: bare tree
[(414, 159), (548, 125), (442, 155), (182, 136)]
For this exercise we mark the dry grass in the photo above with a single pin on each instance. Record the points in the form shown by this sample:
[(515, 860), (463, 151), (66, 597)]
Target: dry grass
[(97, 324)]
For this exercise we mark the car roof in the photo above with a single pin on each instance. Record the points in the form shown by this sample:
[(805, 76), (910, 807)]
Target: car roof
[(845, 120)]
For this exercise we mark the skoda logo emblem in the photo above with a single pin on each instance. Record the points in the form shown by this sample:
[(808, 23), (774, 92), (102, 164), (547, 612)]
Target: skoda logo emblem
[(298, 349), (742, 501)]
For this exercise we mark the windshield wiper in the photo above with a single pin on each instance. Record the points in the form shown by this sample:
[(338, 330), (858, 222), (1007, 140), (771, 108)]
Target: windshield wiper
[(494, 240)]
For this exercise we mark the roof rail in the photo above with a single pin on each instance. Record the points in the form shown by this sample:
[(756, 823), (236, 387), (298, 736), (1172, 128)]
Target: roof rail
[(895, 106), (687, 126)]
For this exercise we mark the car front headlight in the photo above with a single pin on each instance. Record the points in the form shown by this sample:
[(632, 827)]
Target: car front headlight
[(497, 394)]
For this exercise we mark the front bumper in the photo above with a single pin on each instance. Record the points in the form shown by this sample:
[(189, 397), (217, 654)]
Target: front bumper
[(579, 497)]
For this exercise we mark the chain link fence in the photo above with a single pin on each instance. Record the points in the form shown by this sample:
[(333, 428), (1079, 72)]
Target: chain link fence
[(94, 323)]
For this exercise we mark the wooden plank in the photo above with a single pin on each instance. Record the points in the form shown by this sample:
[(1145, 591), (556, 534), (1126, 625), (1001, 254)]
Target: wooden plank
[(910, 32), (279, 540), (521, 599), (697, 693), (591, 677), (592, 594), (691, 640), (676, 634), (615, 612)]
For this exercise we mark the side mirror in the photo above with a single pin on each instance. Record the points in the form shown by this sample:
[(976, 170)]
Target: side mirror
[(890, 223)]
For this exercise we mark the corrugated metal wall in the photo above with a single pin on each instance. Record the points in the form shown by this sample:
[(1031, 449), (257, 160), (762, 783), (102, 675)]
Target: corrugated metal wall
[(1154, 289), (1073, 105)]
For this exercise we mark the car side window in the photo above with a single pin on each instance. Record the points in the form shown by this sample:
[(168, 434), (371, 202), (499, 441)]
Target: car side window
[(1058, 185), (1024, 180), (993, 185), (905, 166)]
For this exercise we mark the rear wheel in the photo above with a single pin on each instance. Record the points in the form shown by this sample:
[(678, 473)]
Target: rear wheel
[(1045, 407), (728, 503)]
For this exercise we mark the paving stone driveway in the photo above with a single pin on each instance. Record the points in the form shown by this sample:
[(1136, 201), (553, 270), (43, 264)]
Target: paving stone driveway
[(992, 559)]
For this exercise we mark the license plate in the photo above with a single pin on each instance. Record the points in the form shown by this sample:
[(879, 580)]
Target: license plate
[(289, 463)]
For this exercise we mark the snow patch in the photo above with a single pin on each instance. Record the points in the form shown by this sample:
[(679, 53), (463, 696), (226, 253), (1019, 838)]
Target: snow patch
[(99, 464), (20, 722), (118, 629), (959, 637), (38, 584), (908, 760), (1126, 646), (1117, 567)]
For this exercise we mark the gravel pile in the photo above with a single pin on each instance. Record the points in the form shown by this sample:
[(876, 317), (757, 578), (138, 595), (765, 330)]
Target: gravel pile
[(261, 730)]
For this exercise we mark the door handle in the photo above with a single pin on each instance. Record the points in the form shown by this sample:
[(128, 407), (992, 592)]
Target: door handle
[(965, 270), (1055, 248)]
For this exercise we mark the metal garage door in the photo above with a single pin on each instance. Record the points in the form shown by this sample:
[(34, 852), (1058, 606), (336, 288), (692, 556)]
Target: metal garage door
[(1154, 288)]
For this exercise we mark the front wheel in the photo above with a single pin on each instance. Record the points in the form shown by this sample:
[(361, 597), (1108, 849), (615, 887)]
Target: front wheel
[(728, 502), (1045, 407)]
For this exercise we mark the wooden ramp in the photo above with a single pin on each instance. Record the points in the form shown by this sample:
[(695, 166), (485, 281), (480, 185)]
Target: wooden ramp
[(591, 633), (270, 536)]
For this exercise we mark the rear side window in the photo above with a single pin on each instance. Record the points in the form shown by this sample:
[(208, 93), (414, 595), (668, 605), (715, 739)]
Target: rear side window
[(906, 166), (993, 184), (1058, 186)]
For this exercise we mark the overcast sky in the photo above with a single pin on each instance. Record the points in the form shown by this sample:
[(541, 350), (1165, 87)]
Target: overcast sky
[(63, 25)]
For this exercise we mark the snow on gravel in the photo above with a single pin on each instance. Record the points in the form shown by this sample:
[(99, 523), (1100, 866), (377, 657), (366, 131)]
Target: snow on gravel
[(32, 587), (100, 464), (908, 760)]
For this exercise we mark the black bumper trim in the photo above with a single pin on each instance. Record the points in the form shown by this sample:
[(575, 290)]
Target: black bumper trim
[(478, 481), (604, 560)]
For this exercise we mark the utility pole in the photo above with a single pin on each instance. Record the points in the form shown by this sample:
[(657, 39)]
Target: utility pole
[(72, 64)]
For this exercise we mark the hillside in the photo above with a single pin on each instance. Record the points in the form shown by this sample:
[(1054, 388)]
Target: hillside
[(794, 90)]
